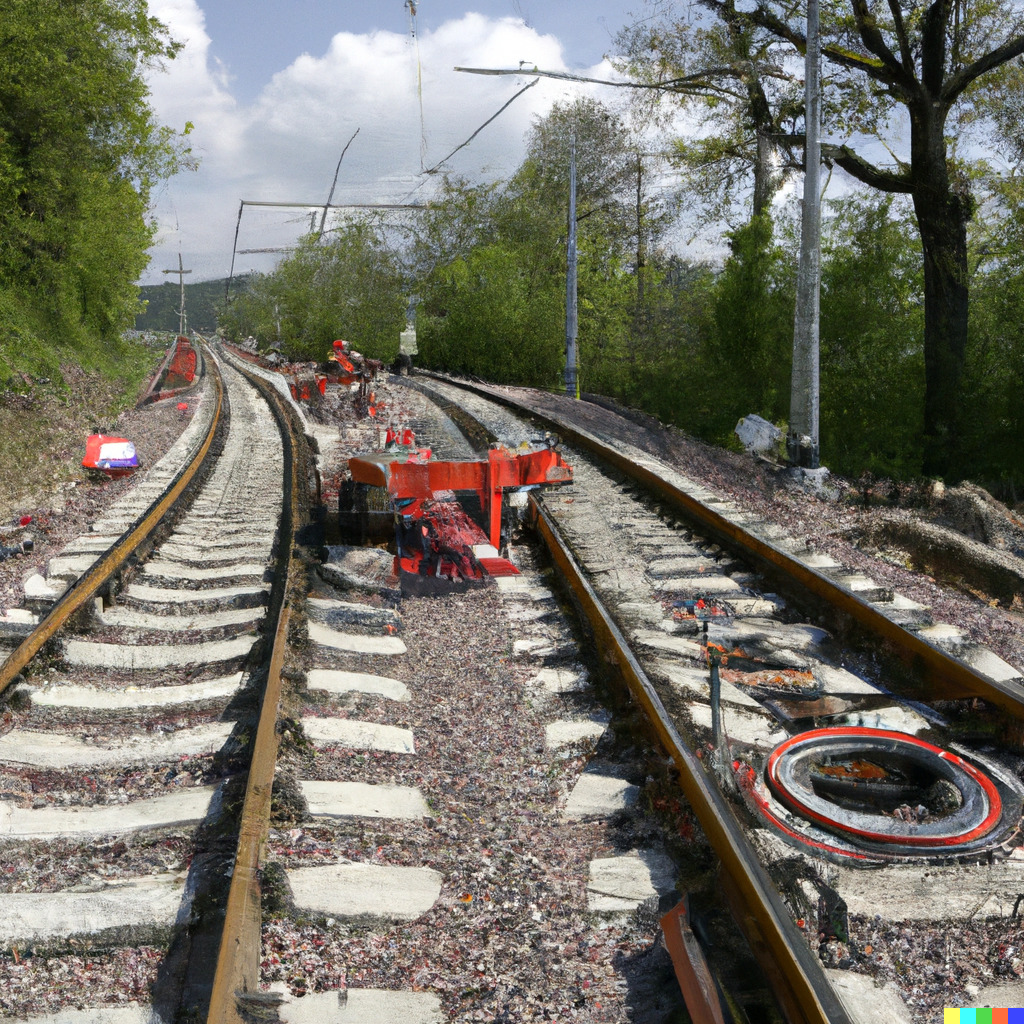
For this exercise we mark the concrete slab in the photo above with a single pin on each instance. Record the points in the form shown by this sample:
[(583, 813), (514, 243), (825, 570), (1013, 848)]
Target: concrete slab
[(360, 1006), (61, 749), (929, 892), (897, 718), (668, 643), (622, 884), (377, 891), (868, 1002), (564, 734), (69, 567), (348, 611), (1004, 994), (795, 636), (363, 800), (689, 564), (64, 695), (178, 571), (738, 726), (198, 550), (941, 633), (561, 680), (696, 682), (356, 643), (755, 605), (131, 1014), (839, 681), (129, 618), (526, 614), (694, 585), (149, 901), (208, 530), (599, 795), (344, 732), (856, 582), (178, 807), (90, 543), (39, 589), (338, 682), (172, 596), (124, 658), (18, 621), (649, 613), (988, 663), (817, 560), (541, 647), (522, 588)]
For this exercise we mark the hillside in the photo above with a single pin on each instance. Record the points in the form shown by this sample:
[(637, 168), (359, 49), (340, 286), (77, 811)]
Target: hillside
[(201, 302)]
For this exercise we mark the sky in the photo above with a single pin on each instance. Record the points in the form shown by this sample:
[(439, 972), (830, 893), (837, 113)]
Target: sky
[(275, 89)]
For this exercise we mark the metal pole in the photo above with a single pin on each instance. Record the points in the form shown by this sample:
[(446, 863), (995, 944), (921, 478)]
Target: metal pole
[(802, 446), (716, 705), (181, 272), (572, 388)]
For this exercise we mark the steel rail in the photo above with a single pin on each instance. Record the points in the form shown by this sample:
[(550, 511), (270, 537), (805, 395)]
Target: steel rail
[(109, 564), (238, 961), (803, 991), (944, 674)]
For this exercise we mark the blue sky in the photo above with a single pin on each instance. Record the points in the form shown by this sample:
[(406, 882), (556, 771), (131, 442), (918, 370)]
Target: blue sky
[(275, 88)]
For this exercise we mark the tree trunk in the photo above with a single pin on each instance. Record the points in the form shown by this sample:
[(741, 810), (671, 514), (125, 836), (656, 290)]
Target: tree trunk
[(942, 214)]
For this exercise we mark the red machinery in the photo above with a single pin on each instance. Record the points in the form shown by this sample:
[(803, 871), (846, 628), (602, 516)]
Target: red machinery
[(181, 369), (436, 538)]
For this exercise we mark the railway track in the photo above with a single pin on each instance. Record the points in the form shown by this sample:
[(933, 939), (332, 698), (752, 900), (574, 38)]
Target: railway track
[(321, 801), (642, 546)]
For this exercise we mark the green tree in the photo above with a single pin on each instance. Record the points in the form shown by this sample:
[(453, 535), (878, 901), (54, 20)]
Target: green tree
[(493, 261), (741, 102), (80, 151), (994, 372), (745, 361), (350, 286), (933, 66), (872, 331)]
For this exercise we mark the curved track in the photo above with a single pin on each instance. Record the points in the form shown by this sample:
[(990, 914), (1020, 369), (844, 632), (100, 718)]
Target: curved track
[(641, 546), (249, 784), (130, 726)]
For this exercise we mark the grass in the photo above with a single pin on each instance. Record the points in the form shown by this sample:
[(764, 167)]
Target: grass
[(44, 420)]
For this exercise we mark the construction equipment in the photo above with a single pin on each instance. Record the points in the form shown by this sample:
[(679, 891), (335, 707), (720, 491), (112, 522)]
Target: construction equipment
[(439, 546)]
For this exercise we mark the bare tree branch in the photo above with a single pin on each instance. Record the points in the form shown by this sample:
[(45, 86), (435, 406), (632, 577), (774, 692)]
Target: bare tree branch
[(865, 171), (956, 83)]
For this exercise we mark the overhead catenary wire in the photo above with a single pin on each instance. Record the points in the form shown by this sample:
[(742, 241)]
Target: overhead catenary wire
[(286, 204), (505, 106), (330, 195)]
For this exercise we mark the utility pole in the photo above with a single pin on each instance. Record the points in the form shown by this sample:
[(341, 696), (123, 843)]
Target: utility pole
[(572, 388), (181, 272), (802, 447)]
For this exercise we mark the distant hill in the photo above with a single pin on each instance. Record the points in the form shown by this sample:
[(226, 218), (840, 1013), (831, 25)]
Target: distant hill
[(201, 302)]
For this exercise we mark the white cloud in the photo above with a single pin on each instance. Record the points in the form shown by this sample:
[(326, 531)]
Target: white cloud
[(284, 147)]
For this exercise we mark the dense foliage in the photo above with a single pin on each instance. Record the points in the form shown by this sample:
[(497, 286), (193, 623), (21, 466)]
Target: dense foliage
[(346, 284), (907, 88), (696, 345), (79, 153)]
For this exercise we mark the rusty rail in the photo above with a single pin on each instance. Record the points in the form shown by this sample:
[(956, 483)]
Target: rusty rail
[(796, 976), (944, 674), (91, 582), (238, 961)]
